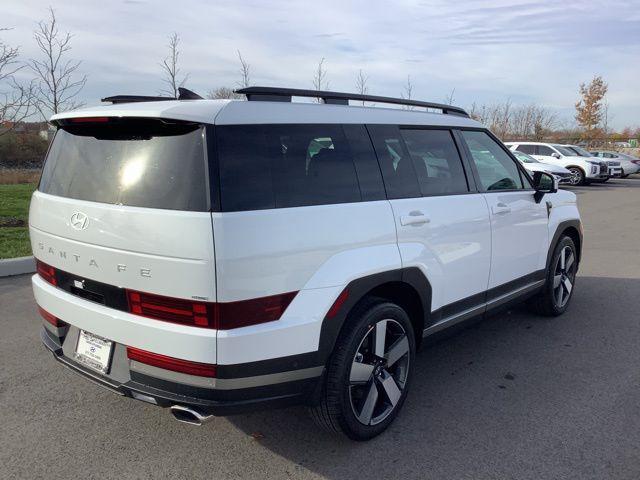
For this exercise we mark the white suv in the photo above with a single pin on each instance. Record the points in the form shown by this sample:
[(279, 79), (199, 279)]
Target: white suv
[(217, 256), (583, 170)]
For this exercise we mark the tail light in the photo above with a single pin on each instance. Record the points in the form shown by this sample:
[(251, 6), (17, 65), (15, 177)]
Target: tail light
[(220, 316), (47, 272), (52, 319), (170, 363)]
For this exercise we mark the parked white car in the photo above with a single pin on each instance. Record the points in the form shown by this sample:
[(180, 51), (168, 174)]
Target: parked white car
[(628, 163), (532, 165), (583, 170), (615, 168), (218, 256)]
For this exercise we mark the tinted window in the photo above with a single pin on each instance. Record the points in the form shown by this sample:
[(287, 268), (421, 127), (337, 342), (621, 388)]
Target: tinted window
[(277, 166), (141, 163), (436, 161), (544, 150), (496, 169), (395, 162), (529, 149), (364, 158)]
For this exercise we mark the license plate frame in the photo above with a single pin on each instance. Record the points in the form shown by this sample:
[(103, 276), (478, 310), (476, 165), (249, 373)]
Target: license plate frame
[(94, 351)]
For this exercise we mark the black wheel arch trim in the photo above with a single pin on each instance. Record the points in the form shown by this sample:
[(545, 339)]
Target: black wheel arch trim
[(359, 289), (560, 230)]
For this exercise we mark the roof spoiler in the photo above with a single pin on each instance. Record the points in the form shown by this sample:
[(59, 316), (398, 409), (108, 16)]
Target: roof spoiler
[(183, 94)]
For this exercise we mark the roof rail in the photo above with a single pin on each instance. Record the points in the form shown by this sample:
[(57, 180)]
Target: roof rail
[(183, 94), (277, 94)]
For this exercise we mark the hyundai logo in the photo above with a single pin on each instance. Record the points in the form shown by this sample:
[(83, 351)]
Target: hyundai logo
[(79, 221)]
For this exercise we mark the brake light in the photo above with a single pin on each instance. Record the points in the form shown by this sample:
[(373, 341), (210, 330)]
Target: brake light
[(47, 272), (220, 316), (89, 120), (52, 319), (170, 363)]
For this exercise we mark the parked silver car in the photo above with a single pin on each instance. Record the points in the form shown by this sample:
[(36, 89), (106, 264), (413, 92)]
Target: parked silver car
[(628, 163)]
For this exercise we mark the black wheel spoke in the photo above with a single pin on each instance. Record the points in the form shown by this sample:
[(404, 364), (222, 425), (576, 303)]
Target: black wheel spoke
[(379, 371)]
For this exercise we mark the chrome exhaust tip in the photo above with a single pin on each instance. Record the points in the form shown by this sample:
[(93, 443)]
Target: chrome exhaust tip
[(189, 415)]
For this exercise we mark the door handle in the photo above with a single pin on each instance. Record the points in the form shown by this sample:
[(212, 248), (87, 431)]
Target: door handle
[(501, 209), (414, 218)]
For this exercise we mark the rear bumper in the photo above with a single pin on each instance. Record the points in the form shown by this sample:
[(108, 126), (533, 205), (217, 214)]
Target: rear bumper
[(213, 401)]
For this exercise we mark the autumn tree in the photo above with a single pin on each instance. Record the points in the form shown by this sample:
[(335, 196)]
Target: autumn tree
[(589, 109)]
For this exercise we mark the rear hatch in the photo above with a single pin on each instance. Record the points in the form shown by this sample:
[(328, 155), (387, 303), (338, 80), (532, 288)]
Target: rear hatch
[(124, 202)]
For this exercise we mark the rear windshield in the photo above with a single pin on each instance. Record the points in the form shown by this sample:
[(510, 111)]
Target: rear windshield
[(133, 162)]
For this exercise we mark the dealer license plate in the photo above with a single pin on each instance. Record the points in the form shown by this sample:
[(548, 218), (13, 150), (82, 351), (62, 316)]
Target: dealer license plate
[(94, 351)]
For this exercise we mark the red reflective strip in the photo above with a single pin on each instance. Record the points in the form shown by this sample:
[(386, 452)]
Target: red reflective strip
[(170, 363), (52, 319), (335, 308)]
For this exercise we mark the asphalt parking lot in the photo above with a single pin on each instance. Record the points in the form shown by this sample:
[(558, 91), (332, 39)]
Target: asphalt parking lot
[(515, 396)]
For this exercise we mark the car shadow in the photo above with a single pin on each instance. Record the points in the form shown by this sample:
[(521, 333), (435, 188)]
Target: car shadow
[(515, 395)]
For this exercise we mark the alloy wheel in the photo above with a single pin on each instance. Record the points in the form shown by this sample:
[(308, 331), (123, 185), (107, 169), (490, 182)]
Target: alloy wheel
[(576, 176), (564, 276), (379, 372)]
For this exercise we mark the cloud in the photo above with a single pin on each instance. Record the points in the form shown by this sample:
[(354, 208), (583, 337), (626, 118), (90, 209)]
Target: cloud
[(487, 50)]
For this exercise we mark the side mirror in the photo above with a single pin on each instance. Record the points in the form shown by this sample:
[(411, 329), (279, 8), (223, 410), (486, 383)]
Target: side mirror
[(556, 155), (544, 183)]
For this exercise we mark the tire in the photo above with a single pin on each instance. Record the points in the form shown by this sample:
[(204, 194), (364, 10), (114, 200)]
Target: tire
[(559, 285), (577, 176), (363, 391)]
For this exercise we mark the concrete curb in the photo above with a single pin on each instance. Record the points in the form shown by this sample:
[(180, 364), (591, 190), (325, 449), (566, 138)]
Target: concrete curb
[(17, 266)]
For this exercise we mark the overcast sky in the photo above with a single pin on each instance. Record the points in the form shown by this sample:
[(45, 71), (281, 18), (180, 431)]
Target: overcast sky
[(489, 51)]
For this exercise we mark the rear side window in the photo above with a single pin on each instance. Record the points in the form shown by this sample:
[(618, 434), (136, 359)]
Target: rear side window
[(544, 150), (529, 149), (496, 169), (436, 161), (279, 166), (395, 162), (133, 162)]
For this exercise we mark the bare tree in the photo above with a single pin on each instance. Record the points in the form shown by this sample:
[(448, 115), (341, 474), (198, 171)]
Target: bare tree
[(173, 77), (245, 77), (362, 86), (224, 93), (320, 81), (58, 81), (407, 93), (16, 99), (449, 99)]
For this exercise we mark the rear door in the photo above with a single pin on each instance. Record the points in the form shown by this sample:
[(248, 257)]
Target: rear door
[(123, 201), (518, 224), (442, 223)]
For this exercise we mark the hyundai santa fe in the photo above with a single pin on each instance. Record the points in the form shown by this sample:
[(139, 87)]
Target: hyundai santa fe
[(216, 256)]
